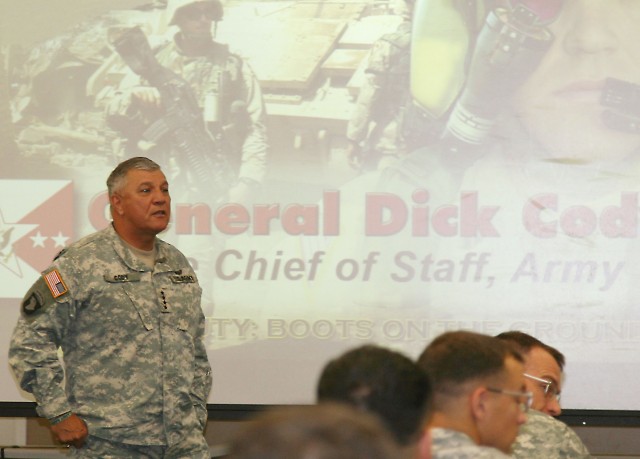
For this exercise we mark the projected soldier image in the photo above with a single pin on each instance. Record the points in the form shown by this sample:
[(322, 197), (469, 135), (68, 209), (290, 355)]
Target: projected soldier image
[(521, 209), (196, 103), (565, 91), (582, 101), (376, 130)]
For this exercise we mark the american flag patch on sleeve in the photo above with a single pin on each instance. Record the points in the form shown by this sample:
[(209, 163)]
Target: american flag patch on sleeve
[(55, 283)]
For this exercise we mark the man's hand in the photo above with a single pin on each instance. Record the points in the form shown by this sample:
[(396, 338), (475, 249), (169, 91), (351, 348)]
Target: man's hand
[(71, 431), (148, 96)]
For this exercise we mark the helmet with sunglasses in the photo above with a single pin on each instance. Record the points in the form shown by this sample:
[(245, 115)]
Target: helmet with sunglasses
[(470, 56), (211, 8)]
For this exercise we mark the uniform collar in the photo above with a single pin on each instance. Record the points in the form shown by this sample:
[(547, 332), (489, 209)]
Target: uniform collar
[(164, 263)]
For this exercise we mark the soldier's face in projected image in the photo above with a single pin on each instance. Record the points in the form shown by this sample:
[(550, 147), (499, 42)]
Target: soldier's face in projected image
[(195, 20), (559, 104)]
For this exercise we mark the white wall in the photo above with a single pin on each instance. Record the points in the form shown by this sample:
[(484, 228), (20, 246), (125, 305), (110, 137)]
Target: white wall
[(13, 431)]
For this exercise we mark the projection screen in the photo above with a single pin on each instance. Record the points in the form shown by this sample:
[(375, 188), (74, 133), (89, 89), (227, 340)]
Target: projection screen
[(471, 167)]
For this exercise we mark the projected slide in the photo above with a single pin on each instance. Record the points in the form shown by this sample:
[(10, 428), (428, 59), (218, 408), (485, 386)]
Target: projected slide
[(344, 172)]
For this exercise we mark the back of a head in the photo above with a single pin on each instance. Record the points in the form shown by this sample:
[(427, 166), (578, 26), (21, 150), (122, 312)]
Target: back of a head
[(326, 431), (455, 358), (381, 381), (525, 342)]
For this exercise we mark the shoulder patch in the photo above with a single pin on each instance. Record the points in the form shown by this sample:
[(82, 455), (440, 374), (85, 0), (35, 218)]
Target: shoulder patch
[(55, 283), (39, 298), (32, 303)]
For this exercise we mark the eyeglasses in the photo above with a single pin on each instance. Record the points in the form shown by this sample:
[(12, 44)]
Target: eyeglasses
[(527, 396), (550, 388)]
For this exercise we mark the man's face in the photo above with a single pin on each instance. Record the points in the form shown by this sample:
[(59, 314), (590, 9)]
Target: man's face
[(559, 105), (503, 413), (143, 204), (195, 20), (540, 364)]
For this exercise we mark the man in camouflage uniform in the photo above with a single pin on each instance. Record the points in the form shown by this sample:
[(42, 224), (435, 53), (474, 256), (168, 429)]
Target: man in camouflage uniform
[(543, 436), (376, 131), (124, 308), (224, 86), (479, 399)]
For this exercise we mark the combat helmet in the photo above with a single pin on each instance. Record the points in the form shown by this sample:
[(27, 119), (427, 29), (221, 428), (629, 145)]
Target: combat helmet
[(176, 7), (446, 34)]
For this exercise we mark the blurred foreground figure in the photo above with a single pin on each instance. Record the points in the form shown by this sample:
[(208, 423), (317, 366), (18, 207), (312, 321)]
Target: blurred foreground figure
[(326, 431)]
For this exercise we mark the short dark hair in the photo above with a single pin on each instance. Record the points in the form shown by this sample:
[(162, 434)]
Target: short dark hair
[(117, 176), (525, 342), (381, 381), (326, 431), (456, 357)]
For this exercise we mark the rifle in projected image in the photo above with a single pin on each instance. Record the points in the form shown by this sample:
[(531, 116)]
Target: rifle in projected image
[(182, 123)]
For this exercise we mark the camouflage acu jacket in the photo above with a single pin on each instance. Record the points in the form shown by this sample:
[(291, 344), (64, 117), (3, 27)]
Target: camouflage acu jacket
[(451, 444), (131, 338), (544, 437)]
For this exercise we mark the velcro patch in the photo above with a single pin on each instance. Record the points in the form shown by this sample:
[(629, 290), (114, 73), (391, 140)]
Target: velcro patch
[(55, 283), (38, 298), (32, 303), (120, 278), (184, 279)]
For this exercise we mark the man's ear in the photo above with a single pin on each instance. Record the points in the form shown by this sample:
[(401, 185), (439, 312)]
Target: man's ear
[(116, 204), (478, 401)]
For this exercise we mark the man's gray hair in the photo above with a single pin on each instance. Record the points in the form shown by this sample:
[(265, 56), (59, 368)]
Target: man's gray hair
[(116, 179)]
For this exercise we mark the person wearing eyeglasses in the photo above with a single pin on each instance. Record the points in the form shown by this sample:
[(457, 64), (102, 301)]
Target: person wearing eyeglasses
[(543, 436), (480, 398), (543, 370)]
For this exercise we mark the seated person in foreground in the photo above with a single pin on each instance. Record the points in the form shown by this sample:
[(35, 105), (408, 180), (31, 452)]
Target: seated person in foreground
[(543, 436), (479, 399), (386, 383), (326, 431)]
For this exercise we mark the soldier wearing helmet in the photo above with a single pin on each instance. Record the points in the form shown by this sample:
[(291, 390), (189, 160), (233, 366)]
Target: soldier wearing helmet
[(377, 131), (226, 90)]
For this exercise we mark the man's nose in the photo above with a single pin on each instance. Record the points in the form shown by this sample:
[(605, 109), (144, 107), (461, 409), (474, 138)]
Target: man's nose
[(553, 406), (591, 27), (160, 196)]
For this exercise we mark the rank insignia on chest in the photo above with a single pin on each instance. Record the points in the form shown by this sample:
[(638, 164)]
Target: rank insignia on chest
[(185, 279), (121, 278)]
